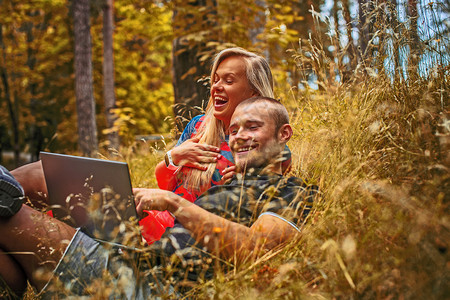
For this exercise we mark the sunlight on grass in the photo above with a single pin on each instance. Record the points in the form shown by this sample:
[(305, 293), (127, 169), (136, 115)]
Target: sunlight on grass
[(381, 227), (379, 150)]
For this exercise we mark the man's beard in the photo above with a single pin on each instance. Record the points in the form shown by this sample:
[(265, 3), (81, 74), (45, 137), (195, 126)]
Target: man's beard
[(258, 159)]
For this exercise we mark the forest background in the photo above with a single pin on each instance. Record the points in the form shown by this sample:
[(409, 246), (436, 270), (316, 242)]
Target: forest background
[(366, 83)]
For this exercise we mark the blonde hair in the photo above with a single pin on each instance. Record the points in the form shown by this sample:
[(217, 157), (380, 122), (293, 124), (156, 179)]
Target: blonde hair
[(212, 130)]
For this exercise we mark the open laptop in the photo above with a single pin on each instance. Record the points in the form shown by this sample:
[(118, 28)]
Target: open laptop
[(93, 194)]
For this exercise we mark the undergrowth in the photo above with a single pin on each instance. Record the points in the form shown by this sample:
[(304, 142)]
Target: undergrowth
[(378, 147), (381, 227)]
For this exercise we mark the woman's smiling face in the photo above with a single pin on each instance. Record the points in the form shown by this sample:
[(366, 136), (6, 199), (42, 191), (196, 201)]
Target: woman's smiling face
[(230, 87)]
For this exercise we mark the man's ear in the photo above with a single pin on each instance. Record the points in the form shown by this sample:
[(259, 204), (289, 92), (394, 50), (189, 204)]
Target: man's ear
[(285, 133)]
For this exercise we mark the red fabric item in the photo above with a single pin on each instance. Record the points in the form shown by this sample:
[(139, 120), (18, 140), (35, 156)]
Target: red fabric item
[(166, 176), (154, 224)]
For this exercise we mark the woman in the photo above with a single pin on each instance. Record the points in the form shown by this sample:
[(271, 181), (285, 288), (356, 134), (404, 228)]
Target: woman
[(202, 157), (202, 151)]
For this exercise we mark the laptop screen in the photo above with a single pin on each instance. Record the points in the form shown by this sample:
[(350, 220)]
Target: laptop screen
[(93, 194)]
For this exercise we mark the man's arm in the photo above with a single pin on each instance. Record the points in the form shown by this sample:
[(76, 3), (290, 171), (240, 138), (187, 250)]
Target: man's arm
[(220, 236)]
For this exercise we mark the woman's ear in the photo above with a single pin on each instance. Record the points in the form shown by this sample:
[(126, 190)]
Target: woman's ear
[(255, 93), (285, 133)]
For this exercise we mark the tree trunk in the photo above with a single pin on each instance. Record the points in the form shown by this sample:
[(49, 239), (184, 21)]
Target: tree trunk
[(12, 107), (108, 75), (336, 22), (348, 22), (36, 137), (364, 27), (337, 40), (414, 40), (187, 69), (188, 92), (395, 56), (84, 91), (260, 18)]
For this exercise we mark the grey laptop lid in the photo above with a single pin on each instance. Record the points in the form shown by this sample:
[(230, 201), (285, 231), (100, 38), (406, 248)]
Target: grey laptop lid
[(93, 194)]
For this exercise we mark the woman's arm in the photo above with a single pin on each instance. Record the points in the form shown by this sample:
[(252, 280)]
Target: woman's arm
[(187, 152)]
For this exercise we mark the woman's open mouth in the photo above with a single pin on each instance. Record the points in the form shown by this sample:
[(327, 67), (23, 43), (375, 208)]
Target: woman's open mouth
[(220, 102)]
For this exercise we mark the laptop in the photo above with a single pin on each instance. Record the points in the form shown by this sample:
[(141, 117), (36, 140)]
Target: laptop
[(92, 194)]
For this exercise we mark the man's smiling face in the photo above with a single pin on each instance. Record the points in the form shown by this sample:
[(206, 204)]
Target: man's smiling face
[(253, 136)]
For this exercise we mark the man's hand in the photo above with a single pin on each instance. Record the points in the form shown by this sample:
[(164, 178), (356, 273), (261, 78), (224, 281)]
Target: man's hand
[(151, 199), (195, 155)]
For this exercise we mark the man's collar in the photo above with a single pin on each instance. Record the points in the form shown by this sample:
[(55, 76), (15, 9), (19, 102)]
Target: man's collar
[(267, 170), (263, 171)]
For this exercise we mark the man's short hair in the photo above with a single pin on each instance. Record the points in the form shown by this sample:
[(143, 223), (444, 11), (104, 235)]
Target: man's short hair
[(276, 108)]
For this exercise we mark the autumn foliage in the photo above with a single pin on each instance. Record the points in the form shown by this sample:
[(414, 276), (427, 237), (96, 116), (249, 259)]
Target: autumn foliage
[(366, 83)]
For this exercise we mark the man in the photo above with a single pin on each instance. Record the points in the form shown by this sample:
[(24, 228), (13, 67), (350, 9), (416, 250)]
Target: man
[(259, 210)]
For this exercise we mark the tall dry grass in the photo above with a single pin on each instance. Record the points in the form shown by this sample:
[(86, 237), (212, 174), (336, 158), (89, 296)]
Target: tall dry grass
[(381, 228), (378, 145)]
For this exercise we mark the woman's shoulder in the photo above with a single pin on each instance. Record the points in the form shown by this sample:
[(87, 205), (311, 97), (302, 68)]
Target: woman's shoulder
[(195, 123), (197, 120), (191, 128)]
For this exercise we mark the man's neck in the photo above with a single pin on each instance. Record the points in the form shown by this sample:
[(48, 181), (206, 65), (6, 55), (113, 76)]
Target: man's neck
[(274, 168), (270, 169)]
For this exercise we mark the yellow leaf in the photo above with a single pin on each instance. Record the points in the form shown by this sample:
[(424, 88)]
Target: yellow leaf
[(189, 72)]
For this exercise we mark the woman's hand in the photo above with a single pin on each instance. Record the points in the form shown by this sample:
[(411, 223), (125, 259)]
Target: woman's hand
[(151, 199), (195, 155), (227, 174)]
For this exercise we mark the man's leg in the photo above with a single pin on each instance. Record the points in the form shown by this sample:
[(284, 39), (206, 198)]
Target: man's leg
[(12, 275), (36, 241), (31, 178)]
